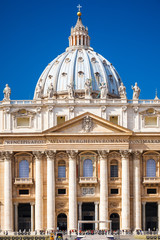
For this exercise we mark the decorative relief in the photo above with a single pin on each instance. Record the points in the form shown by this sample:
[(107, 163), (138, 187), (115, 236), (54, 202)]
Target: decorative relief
[(135, 109), (137, 154), (103, 154), (87, 124), (72, 154), (38, 109), (103, 108), (60, 205), (6, 155), (38, 154), (124, 108), (6, 110), (88, 191), (71, 109), (125, 153), (114, 155), (50, 154), (113, 205)]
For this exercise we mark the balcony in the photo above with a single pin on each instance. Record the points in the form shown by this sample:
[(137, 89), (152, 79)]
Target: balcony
[(115, 179), (84, 180), (23, 181), (61, 180), (151, 180)]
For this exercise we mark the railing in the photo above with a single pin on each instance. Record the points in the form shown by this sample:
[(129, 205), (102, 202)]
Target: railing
[(88, 180), (23, 181), (151, 180)]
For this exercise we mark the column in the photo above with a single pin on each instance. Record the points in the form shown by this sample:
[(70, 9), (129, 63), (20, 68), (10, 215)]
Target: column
[(125, 191), (103, 209), (158, 217), (50, 190), (96, 215), (16, 217), (81, 40), (32, 217), (144, 215), (72, 190), (38, 193), (136, 191), (80, 214), (8, 226)]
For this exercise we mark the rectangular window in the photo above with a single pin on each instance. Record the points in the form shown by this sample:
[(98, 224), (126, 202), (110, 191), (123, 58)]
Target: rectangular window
[(23, 122), (23, 192), (151, 121), (60, 119), (113, 119), (61, 191), (151, 190), (114, 191), (114, 170)]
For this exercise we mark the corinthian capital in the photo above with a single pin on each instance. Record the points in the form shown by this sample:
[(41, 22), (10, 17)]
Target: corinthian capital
[(6, 155), (72, 154), (103, 154), (38, 154), (137, 155), (50, 154), (125, 153)]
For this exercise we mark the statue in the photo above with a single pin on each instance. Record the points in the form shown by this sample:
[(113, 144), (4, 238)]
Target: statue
[(122, 91), (50, 91), (136, 92), (87, 124), (88, 88), (70, 91), (38, 91), (103, 90), (7, 92)]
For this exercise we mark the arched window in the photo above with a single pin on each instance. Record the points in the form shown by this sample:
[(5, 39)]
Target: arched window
[(87, 168), (114, 169), (24, 169), (151, 168), (61, 169)]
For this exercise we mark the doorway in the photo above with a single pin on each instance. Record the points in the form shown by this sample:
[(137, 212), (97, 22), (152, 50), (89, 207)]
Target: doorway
[(115, 221), (151, 216), (24, 216), (62, 222), (88, 213)]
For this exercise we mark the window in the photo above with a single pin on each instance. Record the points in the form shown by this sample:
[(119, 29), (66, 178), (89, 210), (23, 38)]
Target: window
[(61, 169), (114, 169), (60, 119), (23, 122), (114, 191), (113, 119), (151, 121), (24, 169), (23, 191), (62, 191), (151, 191), (151, 168), (87, 168)]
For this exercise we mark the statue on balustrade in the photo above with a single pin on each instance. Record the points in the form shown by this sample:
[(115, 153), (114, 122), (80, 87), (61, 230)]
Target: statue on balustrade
[(122, 91), (103, 90), (50, 91), (88, 88), (136, 92), (38, 91), (7, 93), (70, 91)]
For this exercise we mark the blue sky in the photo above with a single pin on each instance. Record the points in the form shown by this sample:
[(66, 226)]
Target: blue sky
[(34, 32)]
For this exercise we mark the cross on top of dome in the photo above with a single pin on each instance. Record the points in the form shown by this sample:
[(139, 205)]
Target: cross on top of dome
[(79, 7)]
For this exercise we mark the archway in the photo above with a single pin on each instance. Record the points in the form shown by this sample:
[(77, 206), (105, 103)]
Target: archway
[(151, 216), (24, 216), (62, 221), (115, 221)]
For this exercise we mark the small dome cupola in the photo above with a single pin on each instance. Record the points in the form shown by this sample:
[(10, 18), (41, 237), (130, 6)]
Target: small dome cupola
[(79, 37)]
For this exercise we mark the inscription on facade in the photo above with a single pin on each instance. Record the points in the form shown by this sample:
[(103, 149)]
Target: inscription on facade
[(24, 141)]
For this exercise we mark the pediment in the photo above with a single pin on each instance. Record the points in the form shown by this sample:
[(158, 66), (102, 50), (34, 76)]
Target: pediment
[(150, 112), (88, 123)]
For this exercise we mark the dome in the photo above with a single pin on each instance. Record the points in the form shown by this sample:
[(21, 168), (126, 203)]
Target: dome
[(75, 66)]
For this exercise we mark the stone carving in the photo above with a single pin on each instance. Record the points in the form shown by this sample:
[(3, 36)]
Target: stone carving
[(88, 88), (50, 91), (103, 88), (103, 154), (124, 108), (38, 91), (125, 153), (114, 155), (38, 154), (103, 108), (72, 154), (137, 154), (135, 109), (7, 93), (70, 91), (6, 155), (6, 110), (114, 205), (122, 91), (60, 205), (87, 124), (136, 92), (50, 154), (88, 191), (71, 109)]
